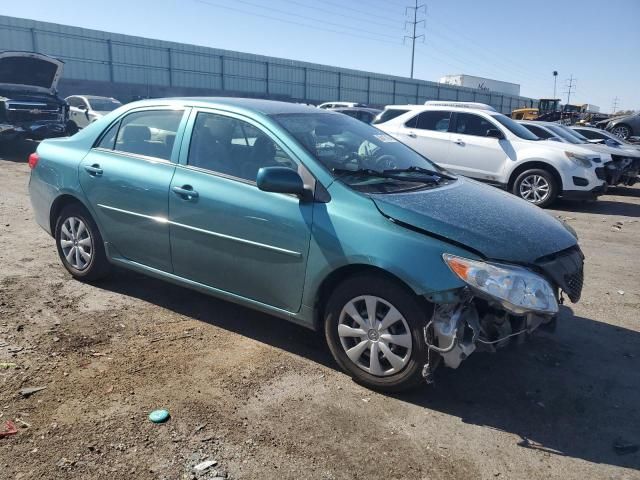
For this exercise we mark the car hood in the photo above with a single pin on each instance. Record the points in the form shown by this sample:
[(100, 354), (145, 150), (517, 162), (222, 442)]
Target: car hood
[(492, 222), (600, 148), (30, 71)]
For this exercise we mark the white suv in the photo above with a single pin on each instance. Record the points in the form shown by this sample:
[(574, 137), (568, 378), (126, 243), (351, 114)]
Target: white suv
[(488, 146), (86, 109)]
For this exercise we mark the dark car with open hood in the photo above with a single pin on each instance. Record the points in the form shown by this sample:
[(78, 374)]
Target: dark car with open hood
[(29, 104)]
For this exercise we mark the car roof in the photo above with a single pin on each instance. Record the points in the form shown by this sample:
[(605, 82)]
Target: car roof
[(357, 109), (254, 105)]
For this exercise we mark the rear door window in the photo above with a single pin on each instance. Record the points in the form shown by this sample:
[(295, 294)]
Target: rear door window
[(436, 120), (389, 114), (149, 133)]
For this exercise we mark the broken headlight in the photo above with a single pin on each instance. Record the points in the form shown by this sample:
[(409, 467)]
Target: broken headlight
[(517, 289)]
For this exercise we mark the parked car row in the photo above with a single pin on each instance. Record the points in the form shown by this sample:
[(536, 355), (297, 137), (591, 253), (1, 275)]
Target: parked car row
[(476, 141), (321, 219)]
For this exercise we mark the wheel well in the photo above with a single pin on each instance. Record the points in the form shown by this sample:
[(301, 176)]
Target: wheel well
[(531, 165), (340, 274), (58, 204)]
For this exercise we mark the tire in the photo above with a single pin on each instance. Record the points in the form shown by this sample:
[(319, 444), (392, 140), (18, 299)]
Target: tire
[(621, 131), (407, 330), (75, 243), (538, 196), (72, 128)]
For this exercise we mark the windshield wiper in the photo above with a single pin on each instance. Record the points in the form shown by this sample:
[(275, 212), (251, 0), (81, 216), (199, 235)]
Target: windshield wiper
[(422, 170), (368, 172)]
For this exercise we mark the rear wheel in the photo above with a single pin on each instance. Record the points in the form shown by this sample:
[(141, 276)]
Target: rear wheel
[(80, 245), (621, 131), (374, 329), (536, 186)]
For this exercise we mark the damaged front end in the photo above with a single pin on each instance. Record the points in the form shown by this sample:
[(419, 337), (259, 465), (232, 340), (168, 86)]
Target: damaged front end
[(621, 170), (501, 304)]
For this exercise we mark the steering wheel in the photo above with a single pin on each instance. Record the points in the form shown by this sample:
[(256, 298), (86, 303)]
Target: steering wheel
[(385, 162)]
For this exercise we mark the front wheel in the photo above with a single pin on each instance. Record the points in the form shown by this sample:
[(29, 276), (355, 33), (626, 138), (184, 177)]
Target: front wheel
[(536, 186), (80, 245), (374, 329), (621, 131)]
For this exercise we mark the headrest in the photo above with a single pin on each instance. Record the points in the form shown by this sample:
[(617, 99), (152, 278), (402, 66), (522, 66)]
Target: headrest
[(136, 133)]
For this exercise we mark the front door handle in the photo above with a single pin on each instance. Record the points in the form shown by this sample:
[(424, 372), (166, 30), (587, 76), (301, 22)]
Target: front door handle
[(186, 191), (94, 170), (459, 142), (411, 134)]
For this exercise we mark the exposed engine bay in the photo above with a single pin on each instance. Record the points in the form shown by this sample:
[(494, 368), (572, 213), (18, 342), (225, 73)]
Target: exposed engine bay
[(622, 171), (456, 330)]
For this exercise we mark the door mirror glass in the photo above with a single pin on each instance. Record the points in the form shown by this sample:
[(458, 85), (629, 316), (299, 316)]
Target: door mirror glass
[(495, 133), (280, 180)]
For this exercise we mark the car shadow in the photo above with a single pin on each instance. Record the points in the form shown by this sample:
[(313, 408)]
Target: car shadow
[(17, 150), (605, 205), (572, 393)]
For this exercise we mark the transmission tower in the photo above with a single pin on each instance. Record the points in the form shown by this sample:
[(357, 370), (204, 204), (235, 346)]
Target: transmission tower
[(413, 24), (614, 107), (571, 86)]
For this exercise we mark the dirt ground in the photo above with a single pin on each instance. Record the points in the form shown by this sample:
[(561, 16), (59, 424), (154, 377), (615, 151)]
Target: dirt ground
[(263, 397)]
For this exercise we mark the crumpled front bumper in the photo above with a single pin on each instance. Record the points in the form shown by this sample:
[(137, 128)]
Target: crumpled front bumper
[(620, 171), (38, 130), (463, 322)]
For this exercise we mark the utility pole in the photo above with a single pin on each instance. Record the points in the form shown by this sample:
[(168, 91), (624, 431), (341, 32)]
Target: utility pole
[(615, 105), (414, 25), (555, 81), (570, 87)]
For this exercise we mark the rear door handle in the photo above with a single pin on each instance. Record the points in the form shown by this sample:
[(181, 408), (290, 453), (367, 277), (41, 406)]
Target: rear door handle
[(411, 134), (185, 191), (94, 170), (459, 142)]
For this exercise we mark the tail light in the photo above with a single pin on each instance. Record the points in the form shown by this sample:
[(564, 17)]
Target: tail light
[(33, 160)]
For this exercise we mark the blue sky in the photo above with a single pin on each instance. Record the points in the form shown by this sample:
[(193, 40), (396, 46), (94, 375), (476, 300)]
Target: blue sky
[(522, 42)]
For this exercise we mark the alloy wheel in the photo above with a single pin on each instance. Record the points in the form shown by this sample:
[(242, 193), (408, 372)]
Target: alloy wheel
[(535, 189), (374, 335), (620, 131), (76, 243)]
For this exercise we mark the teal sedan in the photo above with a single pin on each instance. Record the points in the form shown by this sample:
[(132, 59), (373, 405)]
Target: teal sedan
[(311, 216)]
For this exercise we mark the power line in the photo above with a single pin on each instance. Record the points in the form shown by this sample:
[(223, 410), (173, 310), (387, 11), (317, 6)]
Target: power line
[(571, 86), (343, 15), (292, 22), (414, 23), (364, 12)]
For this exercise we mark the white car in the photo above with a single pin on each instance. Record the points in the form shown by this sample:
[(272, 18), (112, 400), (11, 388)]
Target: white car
[(86, 109), (490, 147), (331, 105), (621, 165)]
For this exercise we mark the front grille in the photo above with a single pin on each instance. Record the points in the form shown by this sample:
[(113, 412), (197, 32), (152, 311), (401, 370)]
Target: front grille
[(566, 270), (32, 111), (573, 284)]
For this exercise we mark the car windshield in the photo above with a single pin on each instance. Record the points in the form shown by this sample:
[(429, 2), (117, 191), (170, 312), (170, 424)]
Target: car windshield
[(360, 155), (104, 104), (389, 114), (515, 128), (562, 133), (578, 135)]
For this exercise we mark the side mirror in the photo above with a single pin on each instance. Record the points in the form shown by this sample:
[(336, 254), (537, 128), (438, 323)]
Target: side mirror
[(280, 180), (494, 133)]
